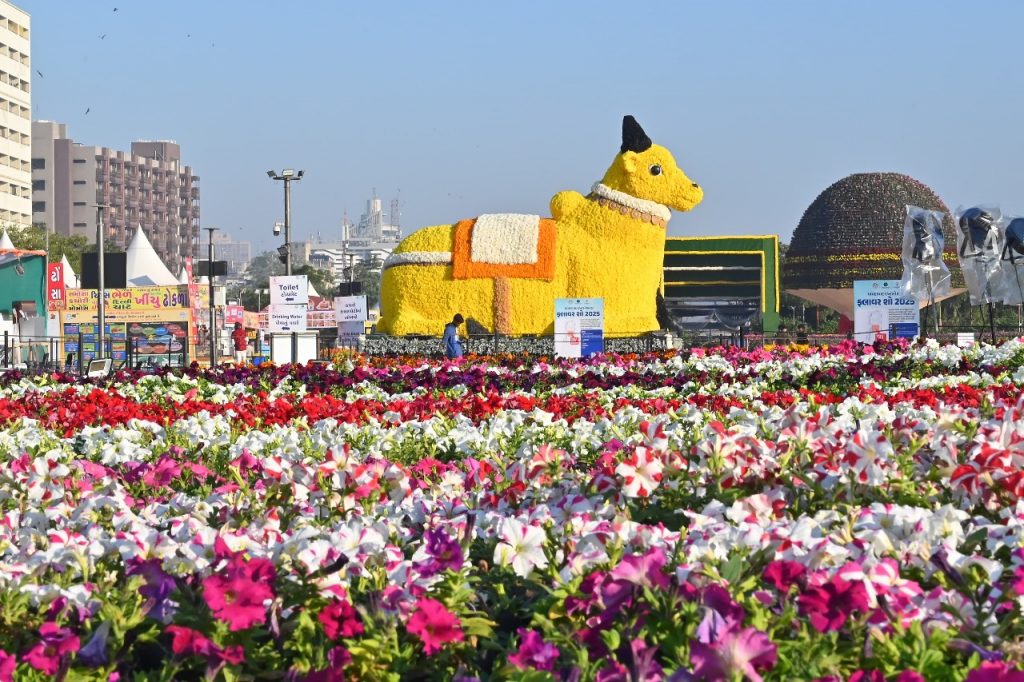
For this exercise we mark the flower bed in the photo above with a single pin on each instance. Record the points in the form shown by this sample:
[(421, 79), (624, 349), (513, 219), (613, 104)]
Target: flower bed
[(845, 514)]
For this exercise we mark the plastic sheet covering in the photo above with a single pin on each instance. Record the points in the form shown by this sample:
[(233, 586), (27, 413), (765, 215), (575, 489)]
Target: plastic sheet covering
[(979, 247), (1011, 276), (925, 275)]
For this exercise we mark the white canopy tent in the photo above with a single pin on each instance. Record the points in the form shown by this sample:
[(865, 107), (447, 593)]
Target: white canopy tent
[(70, 278), (144, 267), (5, 242)]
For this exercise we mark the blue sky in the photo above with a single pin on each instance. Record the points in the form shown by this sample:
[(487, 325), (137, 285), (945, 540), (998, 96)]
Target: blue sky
[(462, 108)]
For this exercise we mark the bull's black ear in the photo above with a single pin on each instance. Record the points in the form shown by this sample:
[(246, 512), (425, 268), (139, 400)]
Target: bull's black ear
[(634, 139)]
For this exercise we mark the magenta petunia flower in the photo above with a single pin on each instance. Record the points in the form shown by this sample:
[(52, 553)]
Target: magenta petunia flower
[(237, 596), (830, 604), (867, 676), (237, 601), (784, 574), (337, 659), (734, 652), (645, 570), (189, 642), (995, 672), (534, 652), (164, 473), (8, 662), (340, 620), (910, 676), (435, 625), (56, 643)]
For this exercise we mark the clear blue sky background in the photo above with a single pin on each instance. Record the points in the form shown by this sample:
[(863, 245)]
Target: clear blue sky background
[(475, 107)]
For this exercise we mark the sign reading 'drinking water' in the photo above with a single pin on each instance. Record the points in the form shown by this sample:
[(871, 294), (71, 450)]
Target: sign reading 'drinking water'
[(882, 310), (286, 318), (289, 290), (350, 308), (579, 327)]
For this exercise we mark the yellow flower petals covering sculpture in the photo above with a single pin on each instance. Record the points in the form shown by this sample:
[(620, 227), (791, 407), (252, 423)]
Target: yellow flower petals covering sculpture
[(504, 271)]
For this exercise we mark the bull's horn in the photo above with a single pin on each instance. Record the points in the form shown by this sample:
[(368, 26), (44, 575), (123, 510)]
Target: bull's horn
[(634, 139)]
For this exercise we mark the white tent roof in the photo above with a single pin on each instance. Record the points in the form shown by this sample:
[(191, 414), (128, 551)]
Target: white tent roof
[(70, 278), (144, 267), (183, 277), (6, 243)]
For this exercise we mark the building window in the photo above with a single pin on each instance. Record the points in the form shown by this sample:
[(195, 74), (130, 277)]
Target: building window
[(38, 185), (79, 160), (81, 225), (39, 207), (79, 203), (79, 182), (38, 164)]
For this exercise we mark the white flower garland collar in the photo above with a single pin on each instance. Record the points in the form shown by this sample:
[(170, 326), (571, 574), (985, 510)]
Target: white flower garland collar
[(648, 211)]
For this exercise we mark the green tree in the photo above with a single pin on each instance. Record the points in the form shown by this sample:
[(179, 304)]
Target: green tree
[(262, 268), (369, 274), (35, 239)]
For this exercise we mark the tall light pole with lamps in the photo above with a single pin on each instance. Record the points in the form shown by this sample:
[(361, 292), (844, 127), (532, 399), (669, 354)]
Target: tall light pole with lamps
[(101, 294), (213, 308), (287, 175)]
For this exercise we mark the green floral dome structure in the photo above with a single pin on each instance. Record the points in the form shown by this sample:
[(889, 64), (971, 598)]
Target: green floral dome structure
[(854, 230)]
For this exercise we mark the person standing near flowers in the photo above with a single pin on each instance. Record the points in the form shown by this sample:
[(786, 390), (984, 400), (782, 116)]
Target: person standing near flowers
[(450, 342), (241, 343)]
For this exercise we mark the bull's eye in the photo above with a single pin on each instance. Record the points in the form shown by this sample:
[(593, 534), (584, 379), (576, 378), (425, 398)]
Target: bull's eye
[(655, 169)]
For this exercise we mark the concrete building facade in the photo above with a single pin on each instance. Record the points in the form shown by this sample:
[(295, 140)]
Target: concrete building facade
[(148, 186), (238, 254), (15, 117)]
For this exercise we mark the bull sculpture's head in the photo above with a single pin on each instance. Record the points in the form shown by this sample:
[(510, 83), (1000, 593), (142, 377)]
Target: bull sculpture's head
[(648, 172)]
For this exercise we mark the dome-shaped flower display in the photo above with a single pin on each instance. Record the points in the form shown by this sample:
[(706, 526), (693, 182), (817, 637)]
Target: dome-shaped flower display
[(854, 230)]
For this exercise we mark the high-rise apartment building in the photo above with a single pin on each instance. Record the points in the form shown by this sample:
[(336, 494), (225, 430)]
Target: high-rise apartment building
[(237, 254), (15, 117), (148, 186)]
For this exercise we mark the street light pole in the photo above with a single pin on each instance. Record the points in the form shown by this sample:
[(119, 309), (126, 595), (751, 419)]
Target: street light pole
[(101, 302), (287, 175), (213, 308)]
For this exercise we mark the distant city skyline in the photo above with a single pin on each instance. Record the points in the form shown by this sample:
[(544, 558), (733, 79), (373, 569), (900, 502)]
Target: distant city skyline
[(462, 109)]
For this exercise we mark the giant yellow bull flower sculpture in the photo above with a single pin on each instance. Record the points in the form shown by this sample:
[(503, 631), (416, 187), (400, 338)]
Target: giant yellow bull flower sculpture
[(505, 271)]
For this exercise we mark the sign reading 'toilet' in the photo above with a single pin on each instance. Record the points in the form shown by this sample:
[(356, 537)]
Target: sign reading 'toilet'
[(289, 290)]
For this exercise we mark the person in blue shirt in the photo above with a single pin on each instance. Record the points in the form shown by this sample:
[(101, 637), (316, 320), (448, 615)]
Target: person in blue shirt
[(452, 347)]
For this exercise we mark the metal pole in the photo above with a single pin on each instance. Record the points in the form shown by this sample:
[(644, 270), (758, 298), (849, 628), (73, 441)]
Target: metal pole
[(101, 303), (213, 313), (288, 226)]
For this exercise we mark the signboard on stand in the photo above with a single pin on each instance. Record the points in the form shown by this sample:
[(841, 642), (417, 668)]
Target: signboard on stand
[(350, 308), (287, 318), (579, 327), (55, 291), (882, 311), (289, 290)]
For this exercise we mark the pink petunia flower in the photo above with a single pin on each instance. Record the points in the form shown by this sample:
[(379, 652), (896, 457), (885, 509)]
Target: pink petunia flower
[(435, 625), (8, 662), (237, 596), (734, 652), (867, 676), (995, 672), (189, 642), (340, 620), (645, 570), (910, 676), (534, 652), (56, 643), (784, 574), (830, 604)]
